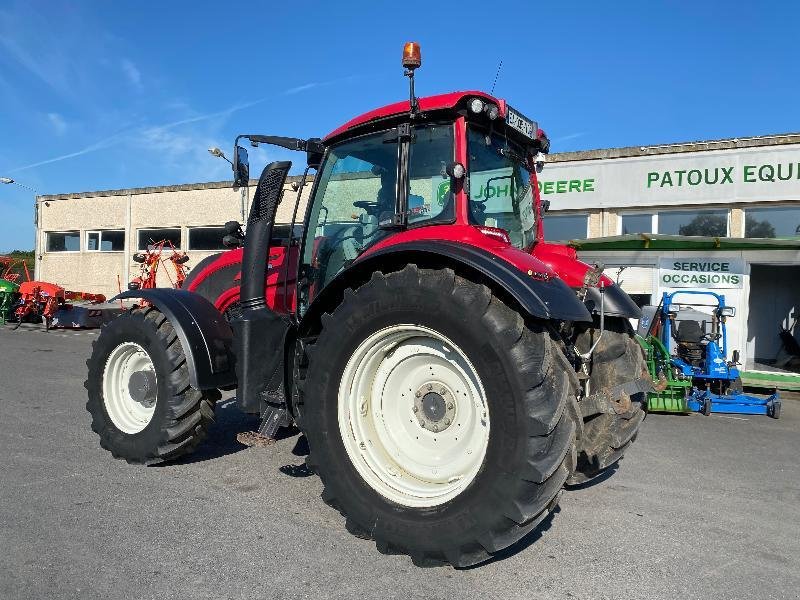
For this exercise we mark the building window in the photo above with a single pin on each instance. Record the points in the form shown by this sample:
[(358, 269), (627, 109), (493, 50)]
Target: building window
[(637, 223), (63, 241), (206, 238), (773, 222), (149, 237), (713, 223), (563, 227), (105, 241)]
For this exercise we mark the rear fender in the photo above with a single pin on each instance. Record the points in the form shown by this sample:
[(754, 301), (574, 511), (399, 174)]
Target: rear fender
[(204, 334)]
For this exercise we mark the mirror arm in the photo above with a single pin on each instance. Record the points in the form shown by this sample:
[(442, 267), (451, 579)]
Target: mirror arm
[(286, 142)]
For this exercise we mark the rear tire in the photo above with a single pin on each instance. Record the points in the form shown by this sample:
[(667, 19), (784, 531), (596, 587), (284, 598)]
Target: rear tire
[(528, 448), (158, 416), (618, 358)]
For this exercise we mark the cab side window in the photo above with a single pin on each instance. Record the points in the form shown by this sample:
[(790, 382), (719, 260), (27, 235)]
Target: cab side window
[(357, 188), (430, 198)]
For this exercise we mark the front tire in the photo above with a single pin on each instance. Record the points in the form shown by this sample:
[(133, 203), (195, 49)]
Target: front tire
[(141, 404), (617, 359), (483, 458)]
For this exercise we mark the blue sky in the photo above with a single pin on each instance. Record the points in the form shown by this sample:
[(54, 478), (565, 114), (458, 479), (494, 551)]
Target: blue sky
[(98, 95)]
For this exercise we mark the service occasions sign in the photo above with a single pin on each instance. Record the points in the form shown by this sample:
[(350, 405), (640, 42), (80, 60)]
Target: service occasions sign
[(701, 272)]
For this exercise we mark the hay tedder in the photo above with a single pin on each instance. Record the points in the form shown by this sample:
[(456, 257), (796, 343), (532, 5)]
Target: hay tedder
[(150, 260), (686, 344), (450, 369)]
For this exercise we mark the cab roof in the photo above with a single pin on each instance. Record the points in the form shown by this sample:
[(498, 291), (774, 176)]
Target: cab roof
[(426, 104)]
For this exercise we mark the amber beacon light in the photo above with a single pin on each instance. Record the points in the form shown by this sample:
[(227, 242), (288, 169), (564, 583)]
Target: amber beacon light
[(412, 57)]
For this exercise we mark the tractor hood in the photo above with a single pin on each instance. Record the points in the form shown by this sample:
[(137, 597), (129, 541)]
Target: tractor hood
[(563, 260)]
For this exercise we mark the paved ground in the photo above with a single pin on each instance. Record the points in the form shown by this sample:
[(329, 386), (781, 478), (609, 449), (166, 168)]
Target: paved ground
[(702, 507)]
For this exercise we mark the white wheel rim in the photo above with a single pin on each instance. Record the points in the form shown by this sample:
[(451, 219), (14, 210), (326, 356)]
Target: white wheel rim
[(415, 458), (130, 410)]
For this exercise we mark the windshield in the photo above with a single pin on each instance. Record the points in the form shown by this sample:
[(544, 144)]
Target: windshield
[(499, 183)]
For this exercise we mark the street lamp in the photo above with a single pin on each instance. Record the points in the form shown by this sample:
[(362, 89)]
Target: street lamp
[(9, 181), (219, 154)]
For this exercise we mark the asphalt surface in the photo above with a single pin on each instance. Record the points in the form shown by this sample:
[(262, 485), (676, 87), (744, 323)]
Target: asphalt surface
[(701, 507)]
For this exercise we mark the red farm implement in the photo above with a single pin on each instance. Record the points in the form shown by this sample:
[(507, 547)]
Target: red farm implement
[(39, 301), (152, 258)]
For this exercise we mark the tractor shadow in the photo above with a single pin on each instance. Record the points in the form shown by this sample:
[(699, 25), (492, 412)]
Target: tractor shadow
[(229, 421), (609, 472), (520, 546)]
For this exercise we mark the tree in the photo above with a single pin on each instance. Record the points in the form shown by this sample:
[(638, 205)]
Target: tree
[(708, 225), (753, 228)]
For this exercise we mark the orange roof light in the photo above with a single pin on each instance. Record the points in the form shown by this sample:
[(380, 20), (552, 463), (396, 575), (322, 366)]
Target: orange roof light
[(412, 57)]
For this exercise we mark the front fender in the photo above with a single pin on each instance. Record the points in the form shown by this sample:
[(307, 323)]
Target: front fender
[(204, 334), (617, 302)]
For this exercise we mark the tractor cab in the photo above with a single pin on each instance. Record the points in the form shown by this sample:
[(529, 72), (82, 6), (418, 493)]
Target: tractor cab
[(463, 160)]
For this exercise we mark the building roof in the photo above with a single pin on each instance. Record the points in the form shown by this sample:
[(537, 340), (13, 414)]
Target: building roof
[(653, 241), (778, 139), (182, 187)]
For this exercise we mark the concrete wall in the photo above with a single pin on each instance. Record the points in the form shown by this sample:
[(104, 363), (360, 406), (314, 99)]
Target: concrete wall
[(182, 207)]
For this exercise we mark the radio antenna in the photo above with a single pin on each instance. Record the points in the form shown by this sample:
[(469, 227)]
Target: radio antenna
[(496, 75)]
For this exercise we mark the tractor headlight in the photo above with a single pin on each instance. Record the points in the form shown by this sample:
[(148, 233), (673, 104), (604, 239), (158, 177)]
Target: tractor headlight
[(476, 105), (492, 111), (727, 311), (456, 170)]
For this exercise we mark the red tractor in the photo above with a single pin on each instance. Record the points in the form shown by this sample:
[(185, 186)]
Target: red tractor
[(450, 370)]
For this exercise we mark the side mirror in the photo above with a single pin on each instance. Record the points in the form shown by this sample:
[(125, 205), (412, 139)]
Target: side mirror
[(241, 167), (232, 227), (314, 152), (545, 205), (231, 241), (735, 357)]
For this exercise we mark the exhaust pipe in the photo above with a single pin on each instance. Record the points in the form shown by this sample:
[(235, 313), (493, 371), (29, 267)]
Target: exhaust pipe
[(259, 332)]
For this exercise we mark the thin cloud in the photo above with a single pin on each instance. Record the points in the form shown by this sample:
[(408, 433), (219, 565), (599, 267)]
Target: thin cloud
[(58, 123), (104, 143), (132, 73), (571, 136), (154, 132), (301, 88)]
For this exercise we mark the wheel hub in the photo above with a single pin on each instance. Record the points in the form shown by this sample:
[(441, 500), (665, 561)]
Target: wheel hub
[(434, 407), (130, 387), (142, 387), (413, 415)]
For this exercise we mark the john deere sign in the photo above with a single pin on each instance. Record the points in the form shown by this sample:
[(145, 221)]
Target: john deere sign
[(708, 177), (701, 272)]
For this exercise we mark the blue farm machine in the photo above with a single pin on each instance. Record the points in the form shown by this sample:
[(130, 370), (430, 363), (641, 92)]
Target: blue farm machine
[(687, 352)]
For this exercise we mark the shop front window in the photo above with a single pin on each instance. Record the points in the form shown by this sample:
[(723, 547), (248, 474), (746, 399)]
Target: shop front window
[(561, 228), (637, 223), (773, 222), (712, 223)]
